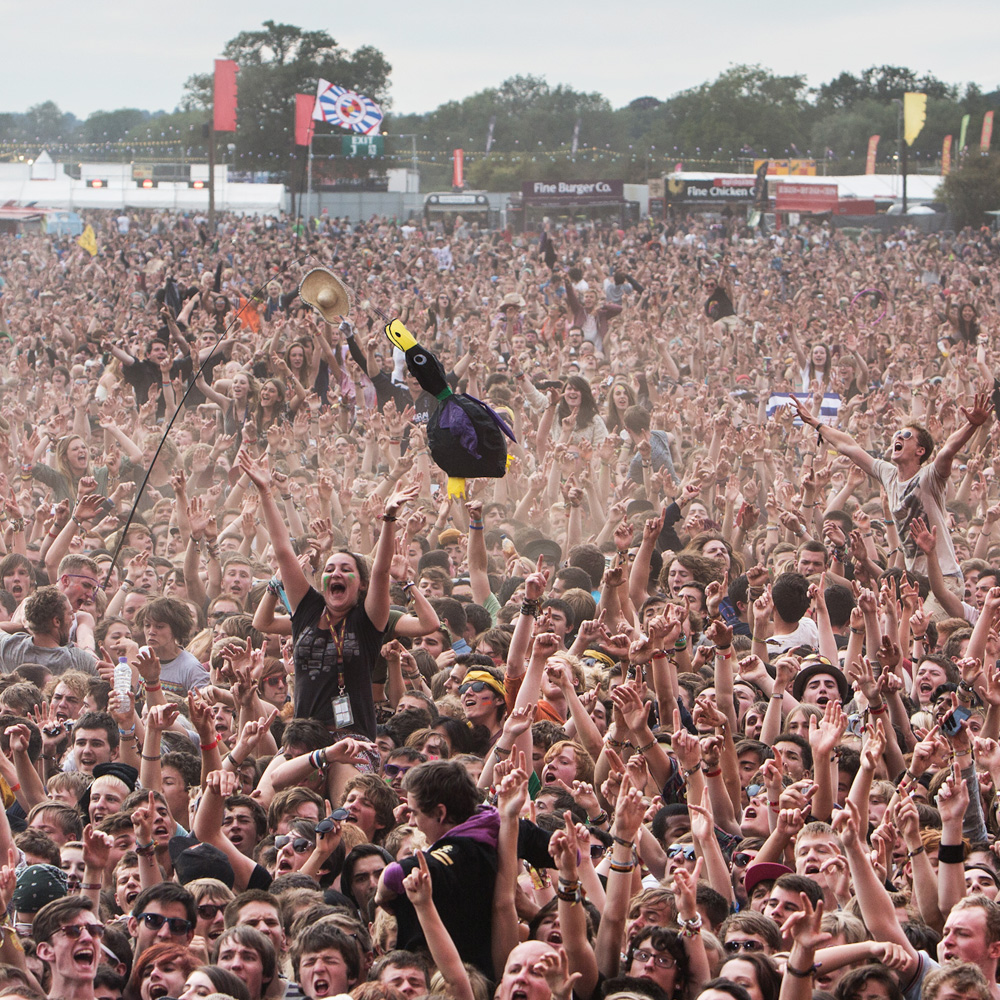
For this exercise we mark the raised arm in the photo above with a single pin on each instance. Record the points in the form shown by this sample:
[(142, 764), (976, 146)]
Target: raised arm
[(974, 419)]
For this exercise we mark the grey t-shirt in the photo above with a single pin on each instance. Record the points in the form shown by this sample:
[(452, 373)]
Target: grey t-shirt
[(183, 673), (18, 649)]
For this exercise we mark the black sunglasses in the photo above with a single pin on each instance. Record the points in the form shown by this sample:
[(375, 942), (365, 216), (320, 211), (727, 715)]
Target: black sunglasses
[(209, 911), (741, 860), (733, 947), (326, 825), (178, 925), (299, 844), (476, 686)]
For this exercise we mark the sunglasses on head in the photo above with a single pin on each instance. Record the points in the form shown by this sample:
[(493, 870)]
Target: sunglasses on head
[(733, 947), (681, 850), (73, 931), (209, 911), (476, 686), (178, 925), (741, 859), (299, 844)]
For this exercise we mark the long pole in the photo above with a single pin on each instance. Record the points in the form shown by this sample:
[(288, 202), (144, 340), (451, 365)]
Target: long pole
[(211, 176), (903, 159), (309, 175)]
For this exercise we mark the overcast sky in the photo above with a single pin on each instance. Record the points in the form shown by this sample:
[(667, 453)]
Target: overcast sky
[(107, 54)]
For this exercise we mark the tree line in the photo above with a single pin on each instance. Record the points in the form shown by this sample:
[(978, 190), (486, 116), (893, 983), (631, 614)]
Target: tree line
[(534, 129)]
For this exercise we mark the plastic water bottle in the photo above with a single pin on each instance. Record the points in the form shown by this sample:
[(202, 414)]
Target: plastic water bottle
[(123, 679)]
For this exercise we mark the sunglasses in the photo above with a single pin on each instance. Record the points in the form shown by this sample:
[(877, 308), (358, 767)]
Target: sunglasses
[(73, 931), (905, 434), (218, 616), (753, 790), (681, 850), (299, 844), (476, 686), (394, 770), (178, 925), (741, 860), (734, 947), (209, 911), (596, 851), (326, 825)]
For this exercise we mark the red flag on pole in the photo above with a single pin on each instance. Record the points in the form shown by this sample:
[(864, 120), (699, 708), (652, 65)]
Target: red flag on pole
[(458, 172), (304, 119), (987, 134), (225, 96)]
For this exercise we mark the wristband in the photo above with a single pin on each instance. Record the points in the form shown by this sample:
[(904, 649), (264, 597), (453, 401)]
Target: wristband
[(476, 527), (16, 788), (951, 854), (126, 732), (624, 867), (151, 756), (388, 517), (210, 746), (648, 746), (623, 843), (807, 974), (914, 853), (658, 654), (712, 774), (878, 711), (599, 820), (501, 752), (153, 687)]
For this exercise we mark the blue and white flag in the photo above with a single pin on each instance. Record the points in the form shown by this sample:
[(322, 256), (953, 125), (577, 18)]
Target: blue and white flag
[(828, 411), (345, 108)]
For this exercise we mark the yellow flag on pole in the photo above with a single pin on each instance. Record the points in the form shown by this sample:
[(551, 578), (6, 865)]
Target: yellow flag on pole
[(914, 116), (88, 240)]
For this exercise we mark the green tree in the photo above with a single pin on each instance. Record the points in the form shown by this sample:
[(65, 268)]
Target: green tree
[(44, 123), (973, 189), (110, 126), (745, 107), (276, 63)]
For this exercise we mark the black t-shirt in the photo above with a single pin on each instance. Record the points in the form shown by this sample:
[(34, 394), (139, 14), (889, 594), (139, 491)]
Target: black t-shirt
[(319, 664), (719, 305), (463, 873), (145, 373)]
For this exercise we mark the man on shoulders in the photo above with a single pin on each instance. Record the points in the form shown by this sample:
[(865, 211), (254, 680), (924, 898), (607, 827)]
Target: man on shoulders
[(49, 619)]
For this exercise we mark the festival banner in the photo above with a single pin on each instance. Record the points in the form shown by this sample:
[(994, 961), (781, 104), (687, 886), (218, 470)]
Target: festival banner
[(987, 135), (458, 172), (224, 113), (303, 119), (343, 107), (946, 156), (872, 149), (961, 133), (914, 116)]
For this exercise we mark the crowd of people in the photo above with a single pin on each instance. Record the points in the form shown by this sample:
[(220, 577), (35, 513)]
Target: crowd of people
[(699, 700)]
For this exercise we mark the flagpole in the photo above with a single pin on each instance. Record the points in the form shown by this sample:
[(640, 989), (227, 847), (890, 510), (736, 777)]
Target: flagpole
[(309, 174)]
